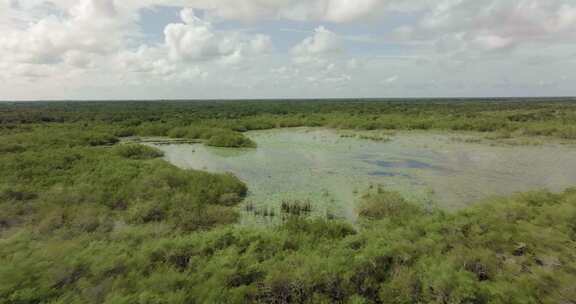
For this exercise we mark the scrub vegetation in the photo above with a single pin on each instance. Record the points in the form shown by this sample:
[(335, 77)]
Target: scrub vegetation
[(135, 151), (87, 219)]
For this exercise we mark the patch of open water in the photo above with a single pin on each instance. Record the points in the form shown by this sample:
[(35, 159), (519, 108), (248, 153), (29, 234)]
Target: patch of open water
[(330, 171)]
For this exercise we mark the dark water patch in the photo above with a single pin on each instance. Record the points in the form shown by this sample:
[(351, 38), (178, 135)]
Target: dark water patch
[(388, 174), (403, 164)]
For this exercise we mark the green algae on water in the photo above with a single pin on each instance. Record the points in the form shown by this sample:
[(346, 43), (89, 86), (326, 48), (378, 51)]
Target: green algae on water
[(332, 171)]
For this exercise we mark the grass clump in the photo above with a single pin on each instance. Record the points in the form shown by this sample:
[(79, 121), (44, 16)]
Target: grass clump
[(136, 151), (11, 148), (213, 136), (230, 140), (100, 139), (386, 204), (296, 207)]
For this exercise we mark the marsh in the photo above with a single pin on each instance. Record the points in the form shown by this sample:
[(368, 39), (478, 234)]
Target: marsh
[(333, 171)]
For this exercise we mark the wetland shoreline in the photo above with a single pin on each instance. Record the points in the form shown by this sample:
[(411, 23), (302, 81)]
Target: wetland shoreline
[(333, 171)]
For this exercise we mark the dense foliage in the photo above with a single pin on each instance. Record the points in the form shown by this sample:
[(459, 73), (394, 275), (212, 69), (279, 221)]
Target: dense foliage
[(84, 219), (222, 122), (135, 151)]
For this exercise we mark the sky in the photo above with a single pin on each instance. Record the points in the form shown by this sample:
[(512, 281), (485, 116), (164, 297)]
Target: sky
[(237, 49)]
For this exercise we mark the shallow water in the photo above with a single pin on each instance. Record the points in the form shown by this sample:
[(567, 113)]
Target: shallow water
[(332, 171)]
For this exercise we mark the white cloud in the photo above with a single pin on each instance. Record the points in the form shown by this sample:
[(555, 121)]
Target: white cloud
[(72, 45), (79, 59), (349, 10), (320, 60), (297, 10), (196, 39), (390, 80), (467, 26), (322, 42), (145, 59), (91, 27), (191, 50)]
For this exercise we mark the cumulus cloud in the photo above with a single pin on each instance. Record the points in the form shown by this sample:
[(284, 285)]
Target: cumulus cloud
[(318, 50), (190, 50), (322, 42), (347, 10), (468, 26), (75, 43), (320, 60), (89, 27), (196, 39), (145, 59)]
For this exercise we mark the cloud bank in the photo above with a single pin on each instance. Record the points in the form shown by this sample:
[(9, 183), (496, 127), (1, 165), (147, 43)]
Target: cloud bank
[(87, 49)]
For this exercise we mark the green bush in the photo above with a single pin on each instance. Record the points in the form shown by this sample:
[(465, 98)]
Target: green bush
[(213, 136), (100, 139), (230, 140), (11, 148), (153, 129), (179, 133), (386, 204), (136, 151)]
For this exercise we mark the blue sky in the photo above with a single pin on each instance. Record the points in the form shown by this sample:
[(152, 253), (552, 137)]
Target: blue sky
[(157, 49)]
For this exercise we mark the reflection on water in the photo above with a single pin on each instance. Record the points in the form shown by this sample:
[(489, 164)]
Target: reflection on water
[(388, 174), (228, 153), (320, 166), (407, 163)]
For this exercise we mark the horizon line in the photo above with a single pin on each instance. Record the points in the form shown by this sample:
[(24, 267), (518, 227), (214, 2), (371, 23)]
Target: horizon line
[(290, 99)]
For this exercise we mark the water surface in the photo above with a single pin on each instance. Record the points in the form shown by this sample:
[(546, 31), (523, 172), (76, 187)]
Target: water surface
[(332, 171)]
